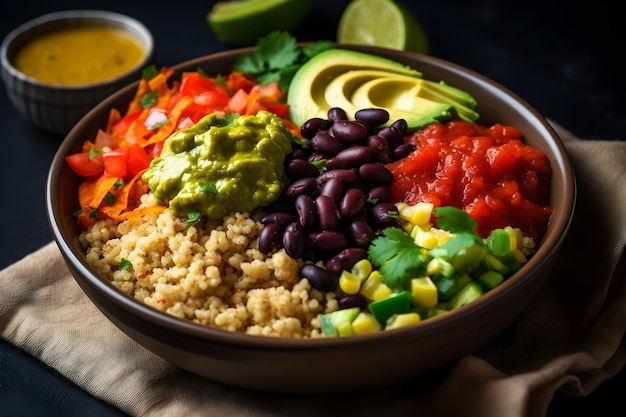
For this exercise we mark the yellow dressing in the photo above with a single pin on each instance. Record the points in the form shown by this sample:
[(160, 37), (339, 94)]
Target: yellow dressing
[(79, 55)]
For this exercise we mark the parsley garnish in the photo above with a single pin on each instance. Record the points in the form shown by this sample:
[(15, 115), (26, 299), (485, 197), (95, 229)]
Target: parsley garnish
[(150, 72), (192, 218), (277, 57), (94, 152), (109, 198), (124, 264), (149, 99), (208, 188)]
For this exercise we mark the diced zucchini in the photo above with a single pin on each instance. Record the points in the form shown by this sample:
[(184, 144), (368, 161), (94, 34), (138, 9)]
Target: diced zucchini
[(490, 279), (467, 294)]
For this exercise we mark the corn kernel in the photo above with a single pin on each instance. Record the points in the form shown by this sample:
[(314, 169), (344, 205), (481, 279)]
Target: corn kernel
[(373, 289), (362, 269), (365, 323), (424, 292), (400, 320), (418, 214), (349, 283)]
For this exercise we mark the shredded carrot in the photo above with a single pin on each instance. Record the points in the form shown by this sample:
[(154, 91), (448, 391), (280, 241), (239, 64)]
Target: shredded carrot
[(133, 127)]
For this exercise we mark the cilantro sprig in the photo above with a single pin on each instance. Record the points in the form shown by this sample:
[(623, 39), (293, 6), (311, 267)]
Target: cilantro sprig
[(400, 258), (277, 57)]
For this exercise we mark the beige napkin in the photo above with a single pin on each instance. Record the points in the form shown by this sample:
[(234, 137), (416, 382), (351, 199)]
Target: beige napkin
[(569, 339)]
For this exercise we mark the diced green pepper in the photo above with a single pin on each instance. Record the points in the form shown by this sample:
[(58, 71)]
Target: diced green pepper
[(396, 303), (499, 241)]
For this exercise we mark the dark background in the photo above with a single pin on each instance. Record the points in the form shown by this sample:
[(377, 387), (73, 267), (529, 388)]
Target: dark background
[(561, 57)]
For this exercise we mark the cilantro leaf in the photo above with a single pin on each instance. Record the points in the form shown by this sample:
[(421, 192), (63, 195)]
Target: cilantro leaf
[(454, 220), (277, 57), (398, 257), (278, 49)]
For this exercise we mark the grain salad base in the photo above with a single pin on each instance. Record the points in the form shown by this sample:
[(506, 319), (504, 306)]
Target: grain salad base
[(211, 273)]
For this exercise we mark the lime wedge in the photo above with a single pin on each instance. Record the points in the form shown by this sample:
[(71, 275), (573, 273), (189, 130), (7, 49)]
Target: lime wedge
[(243, 22), (382, 23)]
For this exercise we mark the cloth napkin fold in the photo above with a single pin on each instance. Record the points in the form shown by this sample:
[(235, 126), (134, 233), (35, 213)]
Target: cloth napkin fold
[(569, 339)]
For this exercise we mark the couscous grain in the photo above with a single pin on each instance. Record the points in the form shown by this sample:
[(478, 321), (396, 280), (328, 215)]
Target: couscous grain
[(211, 273)]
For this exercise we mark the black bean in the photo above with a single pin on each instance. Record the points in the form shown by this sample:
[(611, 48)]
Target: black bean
[(332, 188), (301, 186), (393, 135), (403, 150), (379, 194), (379, 147), (375, 174), (270, 238), (354, 156), (330, 241), (327, 212), (294, 240), (384, 214), (346, 176), (319, 278), (307, 211), (336, 114), (352, 203), (312, 126), (297, 154), (346, 259), (401, 126), (373, 116), (335, 163), (325, 144), (352, 300), (301, 168), (351, 132), (282, 219), (361, 233)]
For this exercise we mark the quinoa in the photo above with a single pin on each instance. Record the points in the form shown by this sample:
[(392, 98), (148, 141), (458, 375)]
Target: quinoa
[(210, 273)]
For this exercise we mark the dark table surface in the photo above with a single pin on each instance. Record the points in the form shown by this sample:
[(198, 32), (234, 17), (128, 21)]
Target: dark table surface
[(561, 59)]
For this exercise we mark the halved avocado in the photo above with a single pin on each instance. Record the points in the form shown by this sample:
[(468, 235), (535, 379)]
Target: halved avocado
[(306, 96), (355, 80)]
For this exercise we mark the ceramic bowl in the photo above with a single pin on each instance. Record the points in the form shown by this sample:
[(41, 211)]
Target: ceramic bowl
[(56, 108), (324, 364)]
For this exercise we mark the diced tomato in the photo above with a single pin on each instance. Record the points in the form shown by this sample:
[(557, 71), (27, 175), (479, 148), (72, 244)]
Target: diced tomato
[(237, 81), (194, 84), (281, 109), (238, 102), (212, 99), (138, 159), (121, 127), (83, 165), (115, 163), (269, 93), (155, 150)]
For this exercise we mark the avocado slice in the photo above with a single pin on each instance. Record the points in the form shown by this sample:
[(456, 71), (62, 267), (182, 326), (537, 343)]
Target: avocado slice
[(355, 80), (306, 95)]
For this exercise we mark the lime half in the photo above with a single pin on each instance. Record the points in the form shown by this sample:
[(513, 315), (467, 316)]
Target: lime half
[(382, 23), (243, 22)]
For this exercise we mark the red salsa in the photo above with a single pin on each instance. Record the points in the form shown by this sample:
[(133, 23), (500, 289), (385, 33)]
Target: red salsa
[(487, 171)]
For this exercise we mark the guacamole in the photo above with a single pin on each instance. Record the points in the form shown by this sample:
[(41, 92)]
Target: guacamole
[(221, 165)]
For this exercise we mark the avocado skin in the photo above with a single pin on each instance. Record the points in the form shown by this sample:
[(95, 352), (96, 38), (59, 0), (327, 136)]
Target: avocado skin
[(342, 78)]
